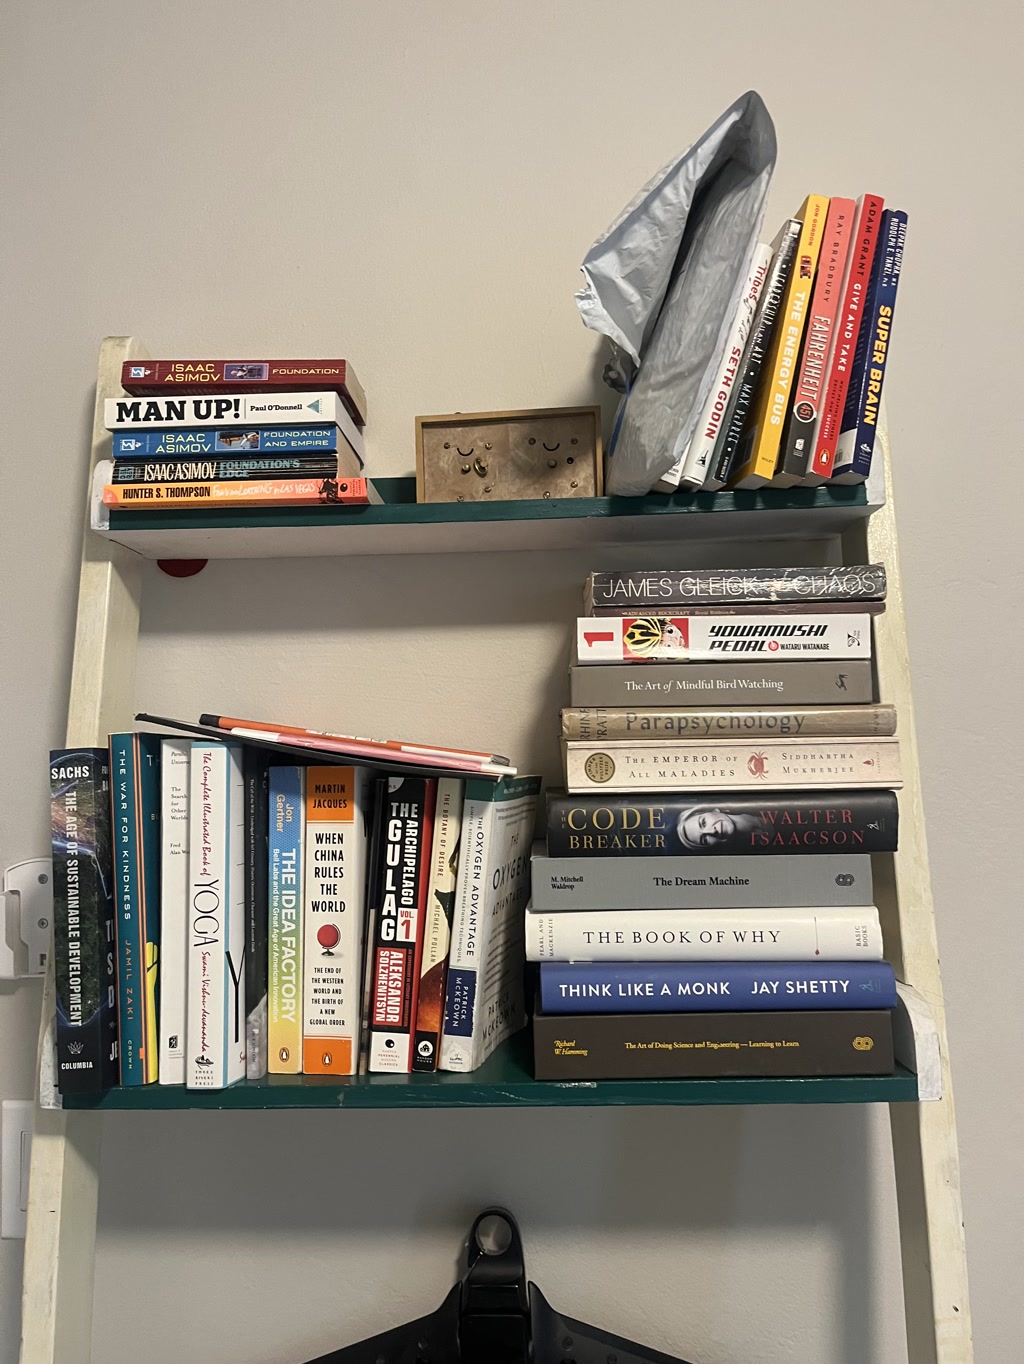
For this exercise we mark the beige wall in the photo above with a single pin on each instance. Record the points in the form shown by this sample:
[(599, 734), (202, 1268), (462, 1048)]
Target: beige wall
[(414, 186)]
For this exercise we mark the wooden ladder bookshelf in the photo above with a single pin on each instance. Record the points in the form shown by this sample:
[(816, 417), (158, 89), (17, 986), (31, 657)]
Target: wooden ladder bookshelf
[(60, 1241)]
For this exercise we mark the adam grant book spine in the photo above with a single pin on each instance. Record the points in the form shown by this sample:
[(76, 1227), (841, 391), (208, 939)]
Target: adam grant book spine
[(664, 589), (444, 865), (682, 1045), (700, 987), (719, 822), (562, 884), (816, 933), (593, 723), (750, 684), (149, 377), (83, 920), (731, 764), (279, 492), (230, 445), (286, 846), (704, 639), (408, 815)]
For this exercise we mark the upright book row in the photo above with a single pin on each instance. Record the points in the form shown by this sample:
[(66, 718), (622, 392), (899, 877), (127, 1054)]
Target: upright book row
[(218, 915), (797, 393)]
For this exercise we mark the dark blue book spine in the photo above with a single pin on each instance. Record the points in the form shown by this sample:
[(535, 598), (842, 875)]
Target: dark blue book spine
[(860, 417), (186, 442), (714, 987), (83, 920), (135, 807)]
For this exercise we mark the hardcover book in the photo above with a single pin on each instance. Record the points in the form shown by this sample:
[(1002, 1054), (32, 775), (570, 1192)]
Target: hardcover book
[(233, 444), (673, 1046), (444, 866), (762, 334), (398, 913), (816, 933), (730, 764), (594, 723), (175, 755), (715, 823), (662, 590), (216, 945), (484, 1000), (705, 639), (714, 986), (286, 850), (693, 465), (859, 425), (749, 684), (256, 775), (620, 884), (83, 920), (758, 449), (334, 918), (146, 377), (225, 409), (809, 389), (135, 805), (844, 339)]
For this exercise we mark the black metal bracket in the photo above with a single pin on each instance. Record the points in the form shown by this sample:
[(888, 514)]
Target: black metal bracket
[(494, 1316)]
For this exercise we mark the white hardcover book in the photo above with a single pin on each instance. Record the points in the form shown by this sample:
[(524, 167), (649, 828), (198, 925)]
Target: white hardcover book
[(624, 765), (708, 639), (174, 907), (216, 961), (333, 918), (234, 409), (484, 990), (818, 934)]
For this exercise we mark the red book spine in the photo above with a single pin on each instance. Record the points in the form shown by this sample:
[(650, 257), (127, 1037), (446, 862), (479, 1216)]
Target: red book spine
[(855, 288), (149, 378)]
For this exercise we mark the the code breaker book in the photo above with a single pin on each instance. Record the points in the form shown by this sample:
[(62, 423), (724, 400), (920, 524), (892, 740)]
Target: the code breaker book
[(403, 871), (149, 377), (673, 1046), (484, 1000), (83, 920), (334, 912)]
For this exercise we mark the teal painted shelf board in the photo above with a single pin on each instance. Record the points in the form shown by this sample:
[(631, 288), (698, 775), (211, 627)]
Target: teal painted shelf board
[(400, 525), (504, 1081)]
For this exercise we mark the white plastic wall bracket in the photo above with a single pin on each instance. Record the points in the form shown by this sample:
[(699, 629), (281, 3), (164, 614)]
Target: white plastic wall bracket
[(28, 914)]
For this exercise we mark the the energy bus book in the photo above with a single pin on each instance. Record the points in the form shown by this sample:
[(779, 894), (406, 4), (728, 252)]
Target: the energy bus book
[(175, 757), (705, 639), (816, 933), (758, 450), (135, 806), (731, 764), (215, 1034), (672, 1046), (859, 425), (444, 866), (564, 884), (715, 823), (484, 1001), (334, 913), (83, 920), (240, 409), (593, 723), (714, 986), (727, 683), (145, 378), (399, 883), (286, 852), (647, 591)]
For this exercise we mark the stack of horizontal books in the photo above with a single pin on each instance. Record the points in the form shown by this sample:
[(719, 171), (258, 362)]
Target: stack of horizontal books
[(704, 903)]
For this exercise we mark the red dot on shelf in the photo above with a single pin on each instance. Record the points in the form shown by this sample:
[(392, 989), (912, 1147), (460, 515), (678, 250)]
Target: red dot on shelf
[(181, 568)]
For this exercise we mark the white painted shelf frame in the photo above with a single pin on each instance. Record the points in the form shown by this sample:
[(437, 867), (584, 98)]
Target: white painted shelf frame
[(61, 1234)]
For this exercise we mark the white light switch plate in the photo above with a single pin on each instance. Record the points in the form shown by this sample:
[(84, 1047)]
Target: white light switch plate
[(16, 1138)]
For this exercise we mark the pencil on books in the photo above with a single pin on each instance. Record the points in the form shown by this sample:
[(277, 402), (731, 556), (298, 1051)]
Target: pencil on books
[(463, 759)]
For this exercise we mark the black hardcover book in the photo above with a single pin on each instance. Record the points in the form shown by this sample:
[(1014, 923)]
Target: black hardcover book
[(752, 364), (712, 1045), (256, 770), (722, 822), (83, 920), (665, 590)]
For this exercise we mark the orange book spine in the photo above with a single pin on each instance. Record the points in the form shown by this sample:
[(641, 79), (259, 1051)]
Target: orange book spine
[(270, 492)]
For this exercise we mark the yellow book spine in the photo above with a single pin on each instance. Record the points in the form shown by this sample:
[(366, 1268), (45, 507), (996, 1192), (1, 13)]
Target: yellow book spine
[(284, 986), (764, 432)]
